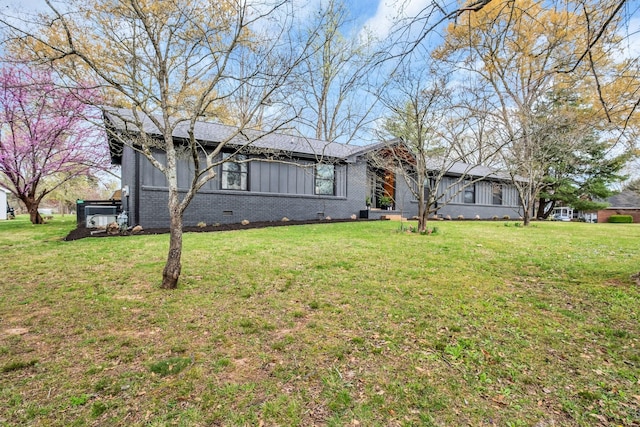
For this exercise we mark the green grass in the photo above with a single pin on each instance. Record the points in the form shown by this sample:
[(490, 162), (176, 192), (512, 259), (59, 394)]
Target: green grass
[(335, 324)]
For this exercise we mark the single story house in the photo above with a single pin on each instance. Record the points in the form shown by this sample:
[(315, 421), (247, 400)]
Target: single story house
[(288, 176), (4, 205), (626, 202), (573, 214)]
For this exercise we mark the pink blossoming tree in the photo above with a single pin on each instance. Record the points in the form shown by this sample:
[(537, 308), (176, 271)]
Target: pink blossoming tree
[(46, 136)]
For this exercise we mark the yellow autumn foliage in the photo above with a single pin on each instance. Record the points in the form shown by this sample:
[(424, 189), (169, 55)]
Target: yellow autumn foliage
[(525, 47), (149, 51)]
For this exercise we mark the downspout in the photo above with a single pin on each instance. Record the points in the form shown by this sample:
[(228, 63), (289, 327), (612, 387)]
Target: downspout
[(138, 188)]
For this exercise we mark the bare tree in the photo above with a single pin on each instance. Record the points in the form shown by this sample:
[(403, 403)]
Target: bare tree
[(425, 150), (478, 137), (171, 63), (335, 81), (515, 50)]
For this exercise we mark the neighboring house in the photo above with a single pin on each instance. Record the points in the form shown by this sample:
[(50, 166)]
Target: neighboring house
[(626, 202), (572, 214), (3, 203), (564, 212), (319, 179)]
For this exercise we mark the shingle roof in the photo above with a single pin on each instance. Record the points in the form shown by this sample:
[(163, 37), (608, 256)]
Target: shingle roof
[(625, 199), (460, 168), (207, 132), (453, 168), (213, 133)]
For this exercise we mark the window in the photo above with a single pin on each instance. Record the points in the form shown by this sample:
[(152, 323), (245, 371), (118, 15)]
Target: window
[(325, 179), (497, 193), (234, 175), (470, 193)]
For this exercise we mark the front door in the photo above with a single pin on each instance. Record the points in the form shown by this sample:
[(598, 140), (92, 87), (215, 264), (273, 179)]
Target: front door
[(385, 189)]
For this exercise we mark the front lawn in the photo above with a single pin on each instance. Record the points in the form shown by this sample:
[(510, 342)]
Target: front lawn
[(480, 323)]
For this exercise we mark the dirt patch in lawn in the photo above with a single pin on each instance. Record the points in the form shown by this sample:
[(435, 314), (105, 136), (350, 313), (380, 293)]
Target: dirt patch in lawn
[(82, 232)]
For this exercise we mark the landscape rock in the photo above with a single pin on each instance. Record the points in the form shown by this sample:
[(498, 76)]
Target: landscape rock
[(83, 232), (113, 228)]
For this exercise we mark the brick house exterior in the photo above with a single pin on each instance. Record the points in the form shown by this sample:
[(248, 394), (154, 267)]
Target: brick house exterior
[(626, 202), (604, 214)]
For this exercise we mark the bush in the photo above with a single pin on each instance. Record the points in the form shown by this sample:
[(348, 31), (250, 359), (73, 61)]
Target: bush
[(621, 219)]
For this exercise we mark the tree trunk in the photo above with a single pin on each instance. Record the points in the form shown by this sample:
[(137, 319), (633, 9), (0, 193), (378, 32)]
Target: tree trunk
[(423, 210), (540, 211), (526, 213), (423, 216), (32, 208), (543, 210), (171, 272)]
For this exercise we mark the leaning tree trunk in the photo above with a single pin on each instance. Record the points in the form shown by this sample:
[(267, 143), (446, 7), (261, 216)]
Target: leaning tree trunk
[(543, 212)]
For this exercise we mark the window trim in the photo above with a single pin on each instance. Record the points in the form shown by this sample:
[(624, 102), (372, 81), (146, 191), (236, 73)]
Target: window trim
[(497, 195), (318, 178), (243, 171), (469, 189)]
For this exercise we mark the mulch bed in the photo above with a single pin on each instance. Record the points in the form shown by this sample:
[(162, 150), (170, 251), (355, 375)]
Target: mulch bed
[(82, 232)]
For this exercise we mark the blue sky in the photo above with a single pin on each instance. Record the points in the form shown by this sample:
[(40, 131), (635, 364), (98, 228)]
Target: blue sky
[(363, 8), (375, 14), (359, 8)]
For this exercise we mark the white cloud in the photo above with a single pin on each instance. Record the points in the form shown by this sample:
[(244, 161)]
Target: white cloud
[(391, 10)]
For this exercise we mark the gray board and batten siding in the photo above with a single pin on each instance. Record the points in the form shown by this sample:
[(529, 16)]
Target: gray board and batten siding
[(273, 191), (270, 190), (484, 204)]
